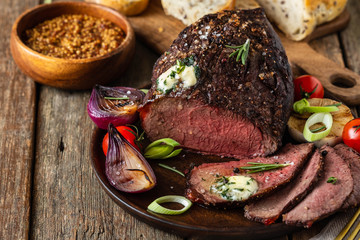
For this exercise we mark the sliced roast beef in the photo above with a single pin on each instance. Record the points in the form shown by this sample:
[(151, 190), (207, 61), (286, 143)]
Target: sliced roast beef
[(353, 160), (218, 184), (222, 105), (329, 194), (268, 209)]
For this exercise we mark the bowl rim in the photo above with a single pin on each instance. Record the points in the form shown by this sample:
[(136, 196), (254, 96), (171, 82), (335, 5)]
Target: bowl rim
[(129, 36)]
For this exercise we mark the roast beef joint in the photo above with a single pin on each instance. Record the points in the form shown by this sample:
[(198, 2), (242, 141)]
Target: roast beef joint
[(223, 88)]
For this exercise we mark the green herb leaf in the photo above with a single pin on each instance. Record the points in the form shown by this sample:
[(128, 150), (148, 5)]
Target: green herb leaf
[(241, 51), (332, 180), (171, 168), (116, 98), (260, 167)]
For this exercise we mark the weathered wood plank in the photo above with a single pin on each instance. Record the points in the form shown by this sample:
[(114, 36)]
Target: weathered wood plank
[(17, 117), (68, 200), (351, 38)]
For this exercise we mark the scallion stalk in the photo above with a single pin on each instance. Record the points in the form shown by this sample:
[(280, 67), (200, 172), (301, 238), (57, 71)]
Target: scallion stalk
[(157, 208), (324, 118), (303, 106)]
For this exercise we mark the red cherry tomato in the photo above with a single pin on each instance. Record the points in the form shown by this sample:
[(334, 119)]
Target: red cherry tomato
[(351, 134), (307, 86), (128, 133)]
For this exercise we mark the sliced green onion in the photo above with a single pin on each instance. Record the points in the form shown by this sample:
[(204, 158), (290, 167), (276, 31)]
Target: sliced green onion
[(324, 118), (162, 149), (167, 141), (157, 208), (158, 152), (303, 106), (171, 168), (173, 153)]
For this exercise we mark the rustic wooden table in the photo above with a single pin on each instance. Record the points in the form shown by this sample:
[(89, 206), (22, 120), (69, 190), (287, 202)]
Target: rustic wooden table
[(48, 189)]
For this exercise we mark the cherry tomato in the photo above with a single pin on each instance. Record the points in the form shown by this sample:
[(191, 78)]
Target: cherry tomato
[(128, 133), (307, 86), (351, 134)]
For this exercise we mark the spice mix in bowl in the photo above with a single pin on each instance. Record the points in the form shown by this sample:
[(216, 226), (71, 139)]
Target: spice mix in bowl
[(72, 45)]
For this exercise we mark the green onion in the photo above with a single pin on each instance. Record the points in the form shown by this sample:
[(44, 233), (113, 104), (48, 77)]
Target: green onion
[(162, 149), (303, 106), (324, 118), (241, 51), (260, 167), (171, 168), (332, 180), (157, 208)]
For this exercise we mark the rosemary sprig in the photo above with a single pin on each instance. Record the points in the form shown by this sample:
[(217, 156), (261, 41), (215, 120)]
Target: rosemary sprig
[(260, 167), (116, 98), (171, 168), (241, 51)]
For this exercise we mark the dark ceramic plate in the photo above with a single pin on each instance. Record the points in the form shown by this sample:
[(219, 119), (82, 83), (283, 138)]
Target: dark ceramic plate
[(197, 221)]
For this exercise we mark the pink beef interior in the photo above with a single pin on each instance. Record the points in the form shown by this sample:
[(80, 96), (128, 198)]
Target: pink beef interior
[(353, 160), (202, 177), (203, 128), (267, 210), (326, 198)]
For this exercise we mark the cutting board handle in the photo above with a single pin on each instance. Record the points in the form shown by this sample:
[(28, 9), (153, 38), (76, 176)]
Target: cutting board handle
[(340, 82)]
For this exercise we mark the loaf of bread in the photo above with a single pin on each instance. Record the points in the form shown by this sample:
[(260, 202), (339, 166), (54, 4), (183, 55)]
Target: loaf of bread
[(298, 18), (188, 11)]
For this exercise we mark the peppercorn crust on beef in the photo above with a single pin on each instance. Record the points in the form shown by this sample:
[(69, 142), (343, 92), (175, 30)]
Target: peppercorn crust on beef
[(204, 98)]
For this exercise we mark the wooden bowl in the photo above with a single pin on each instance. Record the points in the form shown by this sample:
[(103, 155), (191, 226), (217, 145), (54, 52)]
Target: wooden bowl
[(75, 74)]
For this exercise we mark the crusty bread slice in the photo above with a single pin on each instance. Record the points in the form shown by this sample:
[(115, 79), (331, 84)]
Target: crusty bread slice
[(188, 11), (298, 18)]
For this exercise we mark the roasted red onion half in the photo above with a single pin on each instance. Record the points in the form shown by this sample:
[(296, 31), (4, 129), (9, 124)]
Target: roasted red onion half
[(116, 105), (126, 169)]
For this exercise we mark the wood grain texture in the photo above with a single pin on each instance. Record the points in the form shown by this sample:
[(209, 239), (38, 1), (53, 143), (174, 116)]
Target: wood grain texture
[(68, 201), (350, 38), (17, 117)]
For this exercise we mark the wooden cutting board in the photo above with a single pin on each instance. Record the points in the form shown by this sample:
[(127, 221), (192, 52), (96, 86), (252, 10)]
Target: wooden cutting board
[(159, 30)]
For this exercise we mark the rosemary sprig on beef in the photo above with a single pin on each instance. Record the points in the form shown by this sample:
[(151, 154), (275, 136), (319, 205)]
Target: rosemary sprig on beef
[(241, 51)]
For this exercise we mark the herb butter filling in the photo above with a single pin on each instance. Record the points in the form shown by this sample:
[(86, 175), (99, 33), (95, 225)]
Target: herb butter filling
[(182, 75), (234, 188)]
